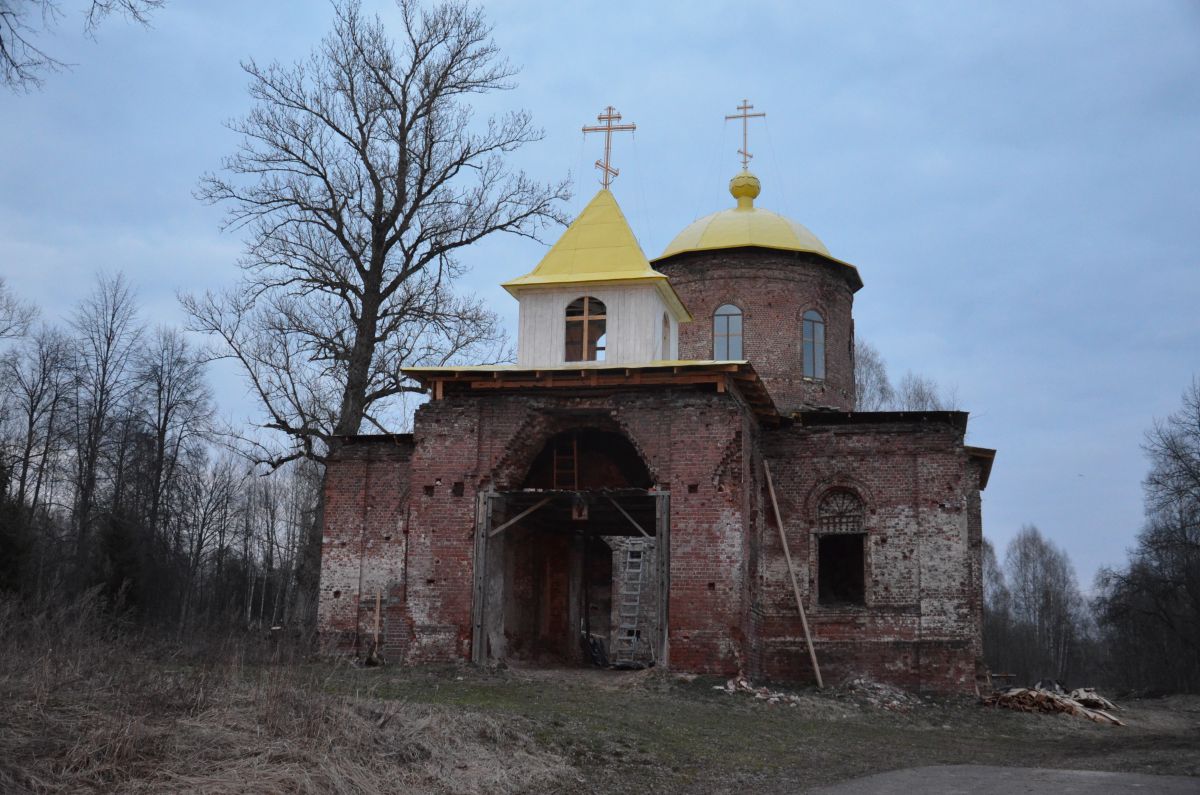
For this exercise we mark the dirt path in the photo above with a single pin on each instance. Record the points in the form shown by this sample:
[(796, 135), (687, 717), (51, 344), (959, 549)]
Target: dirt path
[(984, 780)]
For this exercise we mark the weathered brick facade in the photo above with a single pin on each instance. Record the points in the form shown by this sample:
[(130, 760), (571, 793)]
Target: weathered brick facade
[(773, 289), (400, 519), (461, 541)]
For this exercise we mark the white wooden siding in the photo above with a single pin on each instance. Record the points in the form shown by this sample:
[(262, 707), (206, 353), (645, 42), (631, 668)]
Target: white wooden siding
[(634, 324)]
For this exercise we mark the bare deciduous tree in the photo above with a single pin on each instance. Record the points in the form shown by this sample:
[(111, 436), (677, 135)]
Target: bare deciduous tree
[(360, 175), (872, 388), (107, 335), (176, 407), (1154, 600), (35, 380), (1048, 611), (23, 62), (875, 392), (15, 316), (922, 393)]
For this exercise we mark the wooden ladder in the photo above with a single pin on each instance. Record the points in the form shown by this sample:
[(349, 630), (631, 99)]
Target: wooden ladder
[(629, 606), (566, 464)]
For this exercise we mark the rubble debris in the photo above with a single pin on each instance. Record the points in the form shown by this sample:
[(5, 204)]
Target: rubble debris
[(1051, 686), (1091, 699), (1027, 699), (888, 697), (742, 685)]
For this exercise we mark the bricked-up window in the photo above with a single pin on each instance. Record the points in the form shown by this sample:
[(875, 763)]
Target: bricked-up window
[(586, 327), (814, 345), (727, 333), (841, 542)]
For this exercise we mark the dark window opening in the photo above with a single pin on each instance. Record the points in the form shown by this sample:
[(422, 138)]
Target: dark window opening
[(841, 573), (727, 333), (586, 339), (814, 345)]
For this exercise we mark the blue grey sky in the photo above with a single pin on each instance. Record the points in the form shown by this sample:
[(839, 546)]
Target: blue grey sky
[(1016, 181)]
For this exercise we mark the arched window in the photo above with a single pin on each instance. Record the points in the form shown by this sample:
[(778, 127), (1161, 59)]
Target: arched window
[(840, 512), (585, 330), (727, 333), (814, 345), (841, 549), (666, 337)]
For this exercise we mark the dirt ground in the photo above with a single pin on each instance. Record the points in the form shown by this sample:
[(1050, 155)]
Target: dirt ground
[(667, 733)]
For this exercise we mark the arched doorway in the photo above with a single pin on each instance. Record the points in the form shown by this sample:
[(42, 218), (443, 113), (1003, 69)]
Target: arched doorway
[(574, 563)]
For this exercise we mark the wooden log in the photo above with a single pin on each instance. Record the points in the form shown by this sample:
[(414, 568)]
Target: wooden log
[(812, 652)]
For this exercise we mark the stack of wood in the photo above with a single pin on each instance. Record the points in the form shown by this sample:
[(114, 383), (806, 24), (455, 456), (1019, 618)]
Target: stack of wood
[(1028, 699), (1088, 697)]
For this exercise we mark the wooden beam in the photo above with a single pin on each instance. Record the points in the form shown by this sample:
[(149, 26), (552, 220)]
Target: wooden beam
[(518, 517), (812, 653), (624, 513), (378, 606)]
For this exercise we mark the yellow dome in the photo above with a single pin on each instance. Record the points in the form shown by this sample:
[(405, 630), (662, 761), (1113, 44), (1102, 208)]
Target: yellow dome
[(745, 225)]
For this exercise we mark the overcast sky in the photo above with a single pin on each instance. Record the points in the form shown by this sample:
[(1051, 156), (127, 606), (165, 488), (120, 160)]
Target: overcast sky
[(1016, 182)]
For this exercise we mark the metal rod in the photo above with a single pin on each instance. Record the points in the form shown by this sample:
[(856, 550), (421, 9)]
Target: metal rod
[(812, 653), (518, 517)]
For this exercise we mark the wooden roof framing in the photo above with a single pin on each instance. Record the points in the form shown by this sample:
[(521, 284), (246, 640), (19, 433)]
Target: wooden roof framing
[(720, 375)]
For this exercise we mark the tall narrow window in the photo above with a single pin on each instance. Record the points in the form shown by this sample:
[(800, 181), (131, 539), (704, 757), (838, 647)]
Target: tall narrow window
[(586, 337), (727, 333), (666, 337), (841, 544), (814, 345)]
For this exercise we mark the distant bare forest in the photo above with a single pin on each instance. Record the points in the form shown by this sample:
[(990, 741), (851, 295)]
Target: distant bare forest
[(1140, 631), (113, 475)]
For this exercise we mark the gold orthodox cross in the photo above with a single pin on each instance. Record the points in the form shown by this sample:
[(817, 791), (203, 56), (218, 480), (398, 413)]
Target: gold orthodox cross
[(745, 116), (609, 116)]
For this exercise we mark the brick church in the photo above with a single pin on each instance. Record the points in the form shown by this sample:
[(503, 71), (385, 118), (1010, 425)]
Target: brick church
[(672, 473)]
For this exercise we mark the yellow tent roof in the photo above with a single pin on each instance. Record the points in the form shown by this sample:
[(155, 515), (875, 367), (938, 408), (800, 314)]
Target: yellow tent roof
[(598, 248), (747, 225)]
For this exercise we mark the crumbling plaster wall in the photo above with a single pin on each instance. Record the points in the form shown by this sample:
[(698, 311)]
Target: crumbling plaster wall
[(920, 625)]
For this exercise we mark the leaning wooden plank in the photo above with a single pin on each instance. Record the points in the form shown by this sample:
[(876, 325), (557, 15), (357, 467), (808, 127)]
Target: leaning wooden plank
[(518, 517), (1111, 718), (812, 652), (625, 513)]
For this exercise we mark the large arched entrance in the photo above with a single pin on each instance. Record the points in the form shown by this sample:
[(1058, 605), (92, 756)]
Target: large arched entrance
[(574, 563)]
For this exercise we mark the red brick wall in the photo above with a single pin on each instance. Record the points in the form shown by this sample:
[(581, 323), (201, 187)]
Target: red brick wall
[(694, 444), (730, 605), (773, 289)]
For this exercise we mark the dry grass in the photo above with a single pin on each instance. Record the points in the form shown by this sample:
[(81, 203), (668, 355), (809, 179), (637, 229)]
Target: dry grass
[(87, 707)]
